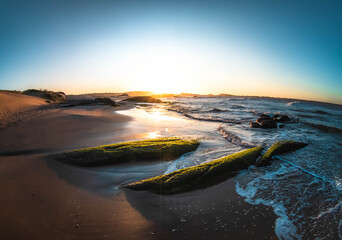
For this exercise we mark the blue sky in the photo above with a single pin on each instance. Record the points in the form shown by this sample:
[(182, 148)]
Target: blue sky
[(270, 48)]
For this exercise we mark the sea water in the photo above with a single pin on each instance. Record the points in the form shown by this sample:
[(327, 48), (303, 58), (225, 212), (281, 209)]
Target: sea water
[(303, 187)]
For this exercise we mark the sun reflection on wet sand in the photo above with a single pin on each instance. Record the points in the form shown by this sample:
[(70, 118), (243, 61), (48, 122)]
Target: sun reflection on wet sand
[(159, 115), (148, 123), (152, 123), (153, 135)]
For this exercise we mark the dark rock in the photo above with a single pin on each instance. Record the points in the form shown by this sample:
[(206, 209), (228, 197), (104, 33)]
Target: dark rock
[(281, 126), (86, 102), (147, 99), (106, 101), (263, 117), (143, 105), (81, 102), (284, 118), (281, 118), (254, 125), (269, 123)]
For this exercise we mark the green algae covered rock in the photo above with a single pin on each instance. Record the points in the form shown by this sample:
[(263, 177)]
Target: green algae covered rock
[(153, 149), (200, 176), (279, 148)]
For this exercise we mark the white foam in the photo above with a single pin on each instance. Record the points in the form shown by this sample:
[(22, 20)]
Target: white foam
[(336, 208), (340, 229), (284, 228), (293, 103), (174, 166)]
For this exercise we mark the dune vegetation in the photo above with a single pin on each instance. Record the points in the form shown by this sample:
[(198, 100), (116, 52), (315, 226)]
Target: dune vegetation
[(46, 94), (145, 150)]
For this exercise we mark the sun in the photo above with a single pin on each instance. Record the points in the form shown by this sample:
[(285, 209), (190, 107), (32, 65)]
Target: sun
[(162, 68), (162, 72), (162, 81)]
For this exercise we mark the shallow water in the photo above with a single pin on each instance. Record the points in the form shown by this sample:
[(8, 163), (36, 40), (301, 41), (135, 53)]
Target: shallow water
[(304, 187)]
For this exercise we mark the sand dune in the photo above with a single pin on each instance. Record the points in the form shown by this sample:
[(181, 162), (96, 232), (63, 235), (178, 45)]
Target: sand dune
[(16, 106), (13, 102)]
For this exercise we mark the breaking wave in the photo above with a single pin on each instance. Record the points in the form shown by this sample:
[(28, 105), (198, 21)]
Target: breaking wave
[(304, 188), (233, 138)]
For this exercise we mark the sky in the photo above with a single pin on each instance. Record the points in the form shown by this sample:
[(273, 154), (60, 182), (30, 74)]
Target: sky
[(272, 48)]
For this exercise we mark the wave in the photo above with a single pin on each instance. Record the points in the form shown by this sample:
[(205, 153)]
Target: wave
[(258, 113), (293, 103), (177, 109), (233, 138), (237, 106), (304, 170), (321, 112), (284, 226), (212, 119), (310, 116), (218, 110), (293, 211), (334, 209), (238, 98), (214, 110), (324, 128), (185, 113), (184, 110), (305, 191)]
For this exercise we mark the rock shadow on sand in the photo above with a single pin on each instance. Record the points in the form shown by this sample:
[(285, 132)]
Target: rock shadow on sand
[(105, 180), (216, 211)]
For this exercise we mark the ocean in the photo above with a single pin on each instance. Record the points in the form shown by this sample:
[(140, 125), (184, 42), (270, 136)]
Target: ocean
[(304, 187)]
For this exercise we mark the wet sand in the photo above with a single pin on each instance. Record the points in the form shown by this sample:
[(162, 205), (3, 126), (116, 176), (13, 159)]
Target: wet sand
[(45, 199)]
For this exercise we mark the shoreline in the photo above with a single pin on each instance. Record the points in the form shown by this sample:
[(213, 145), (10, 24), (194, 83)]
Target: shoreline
[(62, 201)]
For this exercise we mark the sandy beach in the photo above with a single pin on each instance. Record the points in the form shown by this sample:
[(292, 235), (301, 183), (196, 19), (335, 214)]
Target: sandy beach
[(170, 120), (44, 198)]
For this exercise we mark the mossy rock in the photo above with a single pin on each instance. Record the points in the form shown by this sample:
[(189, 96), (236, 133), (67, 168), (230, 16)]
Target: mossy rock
[(200, 176), (279, 147), (153, 149)]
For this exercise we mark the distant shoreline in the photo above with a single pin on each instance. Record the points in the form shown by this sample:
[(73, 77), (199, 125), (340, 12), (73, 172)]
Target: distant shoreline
[(149, 93)]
